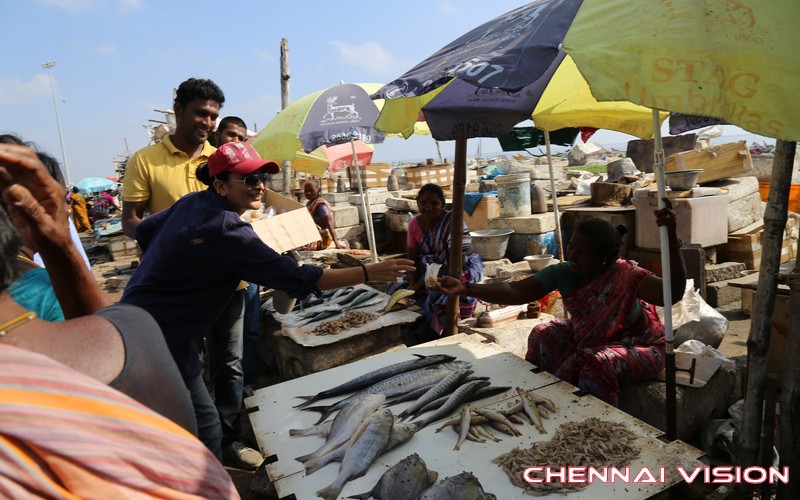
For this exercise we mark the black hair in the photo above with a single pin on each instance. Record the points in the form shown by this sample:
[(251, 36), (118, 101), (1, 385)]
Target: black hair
[(204, 176), (197, 88), (432, 188), (10, 244), (50, 163), (223, 124), (605, 237)]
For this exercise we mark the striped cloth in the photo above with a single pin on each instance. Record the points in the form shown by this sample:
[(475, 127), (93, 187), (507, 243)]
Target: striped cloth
[(66, 435)]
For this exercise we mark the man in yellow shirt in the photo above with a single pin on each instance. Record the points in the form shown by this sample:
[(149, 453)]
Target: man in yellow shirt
[(160, 174)]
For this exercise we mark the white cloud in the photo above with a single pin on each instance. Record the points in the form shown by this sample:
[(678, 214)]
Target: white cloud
[(263, 55), (369, 56), (15, 92)]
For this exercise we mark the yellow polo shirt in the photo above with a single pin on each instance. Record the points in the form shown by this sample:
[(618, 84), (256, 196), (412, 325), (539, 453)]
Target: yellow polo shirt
[(162, 174)]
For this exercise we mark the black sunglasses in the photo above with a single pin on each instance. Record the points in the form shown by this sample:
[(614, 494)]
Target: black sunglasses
[(252, 180)]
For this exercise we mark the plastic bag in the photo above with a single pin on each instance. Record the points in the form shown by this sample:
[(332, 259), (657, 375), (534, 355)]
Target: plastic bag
[(695, 319), (432, 274)]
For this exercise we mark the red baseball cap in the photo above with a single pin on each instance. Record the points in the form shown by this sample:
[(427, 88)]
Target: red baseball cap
[(239, 158)]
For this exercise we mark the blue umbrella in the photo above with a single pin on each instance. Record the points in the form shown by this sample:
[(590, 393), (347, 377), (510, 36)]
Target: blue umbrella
[(95, 185)]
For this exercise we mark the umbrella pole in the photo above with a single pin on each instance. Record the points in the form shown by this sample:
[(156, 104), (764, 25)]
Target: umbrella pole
[(559, 241), (658, 166), (456, 233), (373, 252)]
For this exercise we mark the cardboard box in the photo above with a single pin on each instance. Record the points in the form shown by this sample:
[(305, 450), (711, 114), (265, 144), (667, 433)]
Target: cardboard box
[(441, 174), (717, 162), (487, 208), (292, 227), (122, 246), (745, 245), (372, 175)]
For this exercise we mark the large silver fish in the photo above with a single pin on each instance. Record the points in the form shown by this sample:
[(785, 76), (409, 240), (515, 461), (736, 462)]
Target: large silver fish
[(406, 479), (360, 456), (376, 376), (399, 384), (464, 486), (346, 423)]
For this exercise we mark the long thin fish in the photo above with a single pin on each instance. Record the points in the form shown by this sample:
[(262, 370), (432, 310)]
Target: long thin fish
[(475, 396), (464, 424), (456, 399), (443, 387), (375, 376)]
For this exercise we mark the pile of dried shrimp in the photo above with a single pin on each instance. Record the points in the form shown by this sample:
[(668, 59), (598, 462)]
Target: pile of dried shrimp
[(590, 443), (352, 319)]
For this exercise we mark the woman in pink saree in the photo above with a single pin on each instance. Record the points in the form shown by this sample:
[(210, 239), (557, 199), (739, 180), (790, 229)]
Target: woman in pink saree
[(613, 333)]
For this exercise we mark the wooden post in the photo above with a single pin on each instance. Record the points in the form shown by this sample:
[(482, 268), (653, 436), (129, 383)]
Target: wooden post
[(789, 401), (761, 321), (456, 232), (287, 165)]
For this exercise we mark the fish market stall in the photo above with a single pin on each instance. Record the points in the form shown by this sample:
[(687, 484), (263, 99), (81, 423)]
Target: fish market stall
[(337, 329), (274, 414)]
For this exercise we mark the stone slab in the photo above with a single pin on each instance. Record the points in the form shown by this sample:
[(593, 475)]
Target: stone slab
[(526, 224), (721, 294), (376, 197), (348, 232), (492, 268), (344, 215), (514, 270), (745, 211), (647, 401), (724, 271), (402, 204), (375, 209), (738, 187), (511, 335), (337, 198)]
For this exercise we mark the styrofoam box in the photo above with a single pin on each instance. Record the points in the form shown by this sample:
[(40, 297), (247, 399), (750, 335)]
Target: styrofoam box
[(700, 220)]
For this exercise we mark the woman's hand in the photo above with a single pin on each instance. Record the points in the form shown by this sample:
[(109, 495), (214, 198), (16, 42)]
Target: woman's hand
[(389, 270), (665, 216), (34, 199), (450, 286)]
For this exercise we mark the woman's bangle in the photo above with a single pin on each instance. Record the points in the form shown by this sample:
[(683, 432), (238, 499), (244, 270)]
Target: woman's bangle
[(366, 276)]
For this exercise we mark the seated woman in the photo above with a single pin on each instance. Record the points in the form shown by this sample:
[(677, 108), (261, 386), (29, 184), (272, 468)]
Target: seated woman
[(428, 243), (321, 212), (613, 332)]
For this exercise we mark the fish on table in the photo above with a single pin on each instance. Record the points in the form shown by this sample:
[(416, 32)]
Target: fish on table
[(464, 486), (406, 479)]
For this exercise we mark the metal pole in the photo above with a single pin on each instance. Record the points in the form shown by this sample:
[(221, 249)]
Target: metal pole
[(373, 251), (559, 241), (48, 65)]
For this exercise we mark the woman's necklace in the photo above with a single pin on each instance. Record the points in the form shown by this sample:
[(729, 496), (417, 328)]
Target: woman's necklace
[(16, 322)]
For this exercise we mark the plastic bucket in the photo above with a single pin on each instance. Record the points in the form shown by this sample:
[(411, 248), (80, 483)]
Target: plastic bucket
[(794, 195), (514, 194)]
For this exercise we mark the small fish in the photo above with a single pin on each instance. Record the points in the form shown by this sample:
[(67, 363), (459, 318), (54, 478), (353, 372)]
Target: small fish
[(530, 409), (322, 429), (497, 417), (464, 427), (453, 402)]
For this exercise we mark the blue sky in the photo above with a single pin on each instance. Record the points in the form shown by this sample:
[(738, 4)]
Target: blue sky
[(118, 60)]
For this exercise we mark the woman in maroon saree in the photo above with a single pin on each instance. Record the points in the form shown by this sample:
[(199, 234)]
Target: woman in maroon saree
[(612, 333)]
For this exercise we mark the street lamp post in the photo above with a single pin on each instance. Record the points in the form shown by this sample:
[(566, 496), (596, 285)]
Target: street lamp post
[(48, 65)]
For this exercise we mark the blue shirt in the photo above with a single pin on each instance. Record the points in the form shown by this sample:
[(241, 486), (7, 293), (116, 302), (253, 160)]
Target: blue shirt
[(195, 254)]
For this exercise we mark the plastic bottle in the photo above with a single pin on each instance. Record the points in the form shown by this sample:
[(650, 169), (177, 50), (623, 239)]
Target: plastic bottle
[(538, 199)]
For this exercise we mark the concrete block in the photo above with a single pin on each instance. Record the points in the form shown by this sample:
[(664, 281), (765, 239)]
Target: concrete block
[(738, 187), (724, 271), (376, 197), (337, 198), (745, 211), (721, 293), (514, 270), (526, 224), (375, 209), (348, 232), (492, 268), (647, 401), (402, 204), (344, 215), (398, 221)]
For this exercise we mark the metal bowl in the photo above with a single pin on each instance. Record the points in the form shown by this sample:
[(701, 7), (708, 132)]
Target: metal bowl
[(539, 262), (682, 180), (491, 244)]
